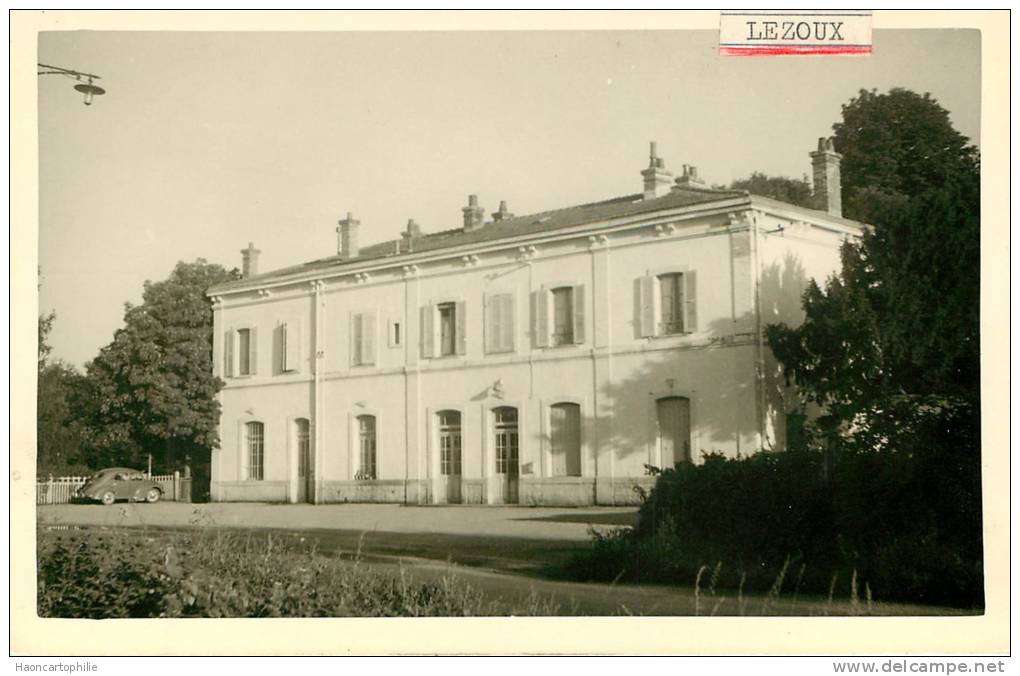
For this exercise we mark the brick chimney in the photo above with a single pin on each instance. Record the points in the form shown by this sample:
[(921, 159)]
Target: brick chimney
[(657, 181), (347, 242), (828, 189), (689, 178), (410, 234), (503, 214), (250, 261), (474, 215)]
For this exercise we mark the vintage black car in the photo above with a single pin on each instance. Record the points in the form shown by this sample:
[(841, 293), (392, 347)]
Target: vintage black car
[(120, 483)]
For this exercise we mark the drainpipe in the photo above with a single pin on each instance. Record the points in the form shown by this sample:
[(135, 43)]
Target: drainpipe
[(318, 355), (759, 342)]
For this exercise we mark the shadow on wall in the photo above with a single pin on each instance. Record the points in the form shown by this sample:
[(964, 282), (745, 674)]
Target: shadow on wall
[(718, 375)]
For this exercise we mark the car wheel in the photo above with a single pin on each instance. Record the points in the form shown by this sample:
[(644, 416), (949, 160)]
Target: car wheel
[(108, 498), (153, 495)]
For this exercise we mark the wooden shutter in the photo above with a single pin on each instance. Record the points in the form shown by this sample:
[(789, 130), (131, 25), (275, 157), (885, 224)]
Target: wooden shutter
[(368, 333), (428, 334), (578, 303), (507, 339), (355, 339), (228, 353), (292, 346), (460, 318), (491, 328), (647, 306), (690, 301), (253, 351), (540, 318)]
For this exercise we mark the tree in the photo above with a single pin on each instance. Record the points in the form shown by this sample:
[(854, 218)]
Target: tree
[(790, 190), (152, 390), (45, 327), (900, 322), (60, 436)]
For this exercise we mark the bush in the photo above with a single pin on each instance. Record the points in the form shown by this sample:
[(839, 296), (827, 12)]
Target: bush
[(906, 522), (136, 574)]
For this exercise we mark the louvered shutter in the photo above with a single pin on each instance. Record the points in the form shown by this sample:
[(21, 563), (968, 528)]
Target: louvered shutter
[(428, 335), (292, 346), (647, 306), (540, 318), (368, 333), (228, 353), (578, 303), (690, 302), (491, 328), (460, 317), (507, 324), (356, 336), (253, 351)]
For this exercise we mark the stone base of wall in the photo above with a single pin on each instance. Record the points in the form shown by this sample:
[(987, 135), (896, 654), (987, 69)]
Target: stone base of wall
[(381, 490), (558, 491), (249, 491), (622, 490)]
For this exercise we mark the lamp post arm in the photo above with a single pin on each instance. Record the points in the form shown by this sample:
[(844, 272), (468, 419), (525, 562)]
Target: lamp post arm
[(57, 70)]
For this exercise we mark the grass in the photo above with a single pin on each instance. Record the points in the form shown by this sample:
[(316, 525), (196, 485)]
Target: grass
[(132, 573)]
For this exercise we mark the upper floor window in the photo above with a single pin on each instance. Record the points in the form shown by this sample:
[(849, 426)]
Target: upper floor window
[(362, 339), (671, 303), (563, 316), (443, 329), (290, 346), (240, 352), (255, 443), (499, 323), (668, 304), (447, 329), (558, 316)]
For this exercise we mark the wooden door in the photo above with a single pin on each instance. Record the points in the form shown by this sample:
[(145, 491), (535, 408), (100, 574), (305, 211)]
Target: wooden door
[(565, 439), (674, 418), (449, 456), (507, 454), (305, 492)]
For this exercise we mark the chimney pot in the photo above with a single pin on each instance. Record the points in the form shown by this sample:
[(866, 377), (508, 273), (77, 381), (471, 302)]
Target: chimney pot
[(825, 165), (503, 213), (657, 180), (250, 261), (348, 241), (474, 215)]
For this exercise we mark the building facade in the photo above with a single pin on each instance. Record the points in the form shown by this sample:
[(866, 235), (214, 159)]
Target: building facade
[(546, 359)]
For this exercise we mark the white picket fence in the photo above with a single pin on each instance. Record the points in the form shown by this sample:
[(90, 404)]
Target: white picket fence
[(60, 490)]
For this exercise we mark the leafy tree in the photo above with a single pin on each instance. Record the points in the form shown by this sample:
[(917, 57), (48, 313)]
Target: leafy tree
[(790, 190), (152, 390), (45, 327), (60, 436)]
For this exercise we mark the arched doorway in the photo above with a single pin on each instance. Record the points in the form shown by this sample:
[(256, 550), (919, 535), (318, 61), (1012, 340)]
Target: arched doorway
[(506, 438), (674, 417), (565, 439), (449, 437)]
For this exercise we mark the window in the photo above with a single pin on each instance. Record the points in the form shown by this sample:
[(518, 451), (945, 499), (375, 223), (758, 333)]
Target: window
[(505, 427), (674, 420), (449, 443), (303, 446), (290, 347), (499, 323), (558, 316), (563, 316), (255, 442), (367, 448), (244, 352), (447, 329), (395, 337), (443, 329), (565, 439), (363, 339), (671, 303), (667, 304)]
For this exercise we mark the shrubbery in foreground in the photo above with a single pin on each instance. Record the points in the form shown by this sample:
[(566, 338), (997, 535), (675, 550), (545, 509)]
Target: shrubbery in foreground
[(904, 524), (109, 574)]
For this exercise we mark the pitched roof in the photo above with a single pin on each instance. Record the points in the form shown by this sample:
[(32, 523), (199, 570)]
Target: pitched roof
[(544, 221)]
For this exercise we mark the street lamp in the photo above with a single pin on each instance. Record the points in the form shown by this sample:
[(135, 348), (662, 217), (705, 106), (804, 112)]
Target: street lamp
[(87, 88)]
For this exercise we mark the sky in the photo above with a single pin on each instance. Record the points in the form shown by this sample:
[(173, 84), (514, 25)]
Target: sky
[(206, 141)]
